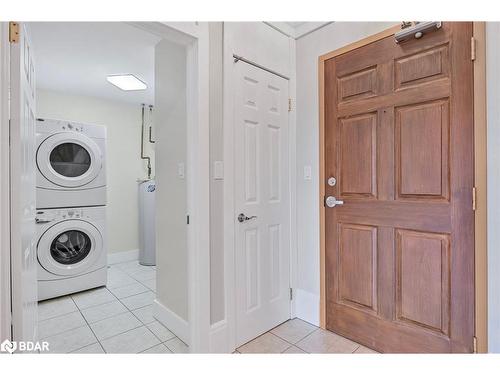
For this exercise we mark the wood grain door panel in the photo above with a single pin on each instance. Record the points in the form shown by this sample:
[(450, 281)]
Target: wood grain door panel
[(399, 139)]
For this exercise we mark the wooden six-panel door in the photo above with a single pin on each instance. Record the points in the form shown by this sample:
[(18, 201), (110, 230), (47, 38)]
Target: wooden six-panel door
[(399, 141)]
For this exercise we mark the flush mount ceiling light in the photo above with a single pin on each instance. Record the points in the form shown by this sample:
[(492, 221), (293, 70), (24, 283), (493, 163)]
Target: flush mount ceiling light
[(126, 82)]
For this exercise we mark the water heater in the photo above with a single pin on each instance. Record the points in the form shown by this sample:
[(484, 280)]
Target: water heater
[(147, 226)]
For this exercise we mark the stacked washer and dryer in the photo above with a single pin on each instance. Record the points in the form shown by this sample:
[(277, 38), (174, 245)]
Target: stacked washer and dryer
[(71, 207)]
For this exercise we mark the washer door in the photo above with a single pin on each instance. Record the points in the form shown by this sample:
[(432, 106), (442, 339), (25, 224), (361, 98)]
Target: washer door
[(69, 159), (70, 247)]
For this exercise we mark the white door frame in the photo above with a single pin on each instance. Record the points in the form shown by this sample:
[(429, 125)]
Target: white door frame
[(223, 333), (194, 36), (5, 301)]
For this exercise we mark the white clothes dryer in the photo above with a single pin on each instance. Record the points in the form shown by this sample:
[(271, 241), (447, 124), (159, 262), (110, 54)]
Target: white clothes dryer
[(71, 164), (71, 250)]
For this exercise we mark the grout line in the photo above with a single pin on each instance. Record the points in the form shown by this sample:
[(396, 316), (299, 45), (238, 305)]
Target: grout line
[(121, 333), (111, 291), (88, 325), (67, 330)]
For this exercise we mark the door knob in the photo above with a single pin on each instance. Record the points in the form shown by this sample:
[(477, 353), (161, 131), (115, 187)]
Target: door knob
[(242, 217), (332, 202)]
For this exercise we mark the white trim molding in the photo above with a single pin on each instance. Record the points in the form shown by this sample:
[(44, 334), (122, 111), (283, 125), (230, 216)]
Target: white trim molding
[(171, 320), (123, 256), (5, 304)]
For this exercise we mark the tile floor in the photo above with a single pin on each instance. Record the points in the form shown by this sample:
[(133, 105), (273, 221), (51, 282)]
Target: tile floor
[(297, 336), (117, 318)]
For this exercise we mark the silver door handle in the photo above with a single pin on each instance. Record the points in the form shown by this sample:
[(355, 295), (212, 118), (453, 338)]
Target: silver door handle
[(332, 202), (242, 217)]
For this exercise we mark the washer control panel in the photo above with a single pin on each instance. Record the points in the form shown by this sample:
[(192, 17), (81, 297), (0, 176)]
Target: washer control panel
[(48, 216)]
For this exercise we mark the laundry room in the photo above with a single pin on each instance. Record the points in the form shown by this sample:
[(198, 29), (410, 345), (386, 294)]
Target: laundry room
[(96, 135)]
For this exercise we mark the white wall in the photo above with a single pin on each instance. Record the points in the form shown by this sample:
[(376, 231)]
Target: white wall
[(124, 166), (493, 139), (171, 191), (308, 49)]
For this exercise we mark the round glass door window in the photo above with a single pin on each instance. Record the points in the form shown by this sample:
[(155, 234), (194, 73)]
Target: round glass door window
[(70, 159), (70, 247)]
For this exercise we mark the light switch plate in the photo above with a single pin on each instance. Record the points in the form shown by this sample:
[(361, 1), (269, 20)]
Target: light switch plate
[(218, 172), (307, 172), (181, 173)]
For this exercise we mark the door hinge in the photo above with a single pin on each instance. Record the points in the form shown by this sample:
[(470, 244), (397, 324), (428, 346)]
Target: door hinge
[(289, 104), (14, 32), (474, 344), (473, 48), (291, 294), (474, 198)]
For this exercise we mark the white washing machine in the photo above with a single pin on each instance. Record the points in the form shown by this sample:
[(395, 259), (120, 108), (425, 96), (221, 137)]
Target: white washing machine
[(71, 164), (71, 250)]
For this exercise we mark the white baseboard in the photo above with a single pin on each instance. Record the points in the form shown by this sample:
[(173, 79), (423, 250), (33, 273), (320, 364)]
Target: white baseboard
[(123, 256), (219, 342), (307, 306), (172, 321)]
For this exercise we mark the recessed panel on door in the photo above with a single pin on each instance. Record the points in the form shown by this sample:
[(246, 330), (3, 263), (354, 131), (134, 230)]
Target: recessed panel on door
[(358, 156)]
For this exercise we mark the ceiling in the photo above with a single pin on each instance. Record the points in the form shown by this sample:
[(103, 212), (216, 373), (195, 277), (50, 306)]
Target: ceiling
[(76, 57), (296, 29)]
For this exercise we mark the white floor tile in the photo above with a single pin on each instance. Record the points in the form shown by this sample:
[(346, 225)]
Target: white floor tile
[(139, 300), (129, 290), (294, 350), (294, 330), (55, 307), (134, 341), (132, 267), (91, 349), (92, 297), (158, 349), (160, 331), (177, 346), (127, 265), (117, 280), (70, 341), (142, 275), (145, 314), (59, 324), (321, 341), (104, 311), (267, 343), (151, 284), (115, 325)]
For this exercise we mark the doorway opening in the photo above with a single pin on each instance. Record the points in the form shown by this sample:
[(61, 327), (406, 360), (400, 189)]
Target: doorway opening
[(86, 175)]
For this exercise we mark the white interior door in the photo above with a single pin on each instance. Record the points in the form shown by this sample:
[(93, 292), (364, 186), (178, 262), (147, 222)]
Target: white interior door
[(22, 149), (262, 197)]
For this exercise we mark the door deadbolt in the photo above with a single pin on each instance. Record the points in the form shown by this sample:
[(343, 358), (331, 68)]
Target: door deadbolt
[(332, 181), (332, 202)]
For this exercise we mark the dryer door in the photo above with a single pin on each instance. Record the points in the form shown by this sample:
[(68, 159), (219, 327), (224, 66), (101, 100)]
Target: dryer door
[(69, 159), (70, 247)]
